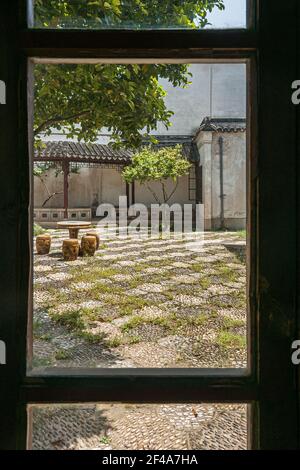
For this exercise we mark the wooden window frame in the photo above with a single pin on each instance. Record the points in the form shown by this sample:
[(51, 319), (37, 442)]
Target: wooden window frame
[(271, 386)]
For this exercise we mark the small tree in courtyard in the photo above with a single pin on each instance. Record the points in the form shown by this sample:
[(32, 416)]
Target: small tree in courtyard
[(150, 165)]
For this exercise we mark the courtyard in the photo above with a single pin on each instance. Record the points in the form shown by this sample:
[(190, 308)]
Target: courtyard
[(142, 303)]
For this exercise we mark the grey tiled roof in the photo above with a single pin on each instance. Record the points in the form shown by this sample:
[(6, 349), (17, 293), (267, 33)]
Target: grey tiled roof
[(223, 125), (84, 152), (99, 153)]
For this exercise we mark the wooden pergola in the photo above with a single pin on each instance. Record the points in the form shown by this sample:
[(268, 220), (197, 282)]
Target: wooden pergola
[(69, 154)]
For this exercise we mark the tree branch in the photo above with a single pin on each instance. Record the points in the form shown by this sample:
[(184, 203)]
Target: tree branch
[(176, 186), (56, 119), (164, 192), (153, 193), (50, 197)]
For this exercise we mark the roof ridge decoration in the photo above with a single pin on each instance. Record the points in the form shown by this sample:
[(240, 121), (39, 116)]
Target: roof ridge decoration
[(222, 125)]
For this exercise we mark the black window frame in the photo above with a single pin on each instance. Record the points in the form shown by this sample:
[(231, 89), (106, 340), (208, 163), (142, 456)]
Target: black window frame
[(270, 44)]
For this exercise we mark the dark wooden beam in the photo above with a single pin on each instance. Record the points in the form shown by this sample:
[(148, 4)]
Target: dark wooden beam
[(124, 43), (140, 386)]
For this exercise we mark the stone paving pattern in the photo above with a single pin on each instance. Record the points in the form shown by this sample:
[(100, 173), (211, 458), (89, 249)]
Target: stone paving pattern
[(141, 303), (140, 427)]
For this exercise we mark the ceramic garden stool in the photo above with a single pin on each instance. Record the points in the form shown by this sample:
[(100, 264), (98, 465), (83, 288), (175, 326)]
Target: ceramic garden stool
[(94, 234), (70, 249), (43, 244), (88, 245)]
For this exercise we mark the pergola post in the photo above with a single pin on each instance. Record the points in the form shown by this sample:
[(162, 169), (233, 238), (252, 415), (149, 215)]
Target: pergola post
[(66, 171), (133, 193), (128, 195)]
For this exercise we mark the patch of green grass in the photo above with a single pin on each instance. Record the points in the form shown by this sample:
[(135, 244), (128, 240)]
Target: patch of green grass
[(205, 282), (170, 293), (45, 337), (197, 267), (92, 273), (41, 362), (102, 246), (71, 319), (140, 267), (235, 299), (138, 320), (135, 282), (79, 320), (170, 322), (36, 324), (115, 342), (242, 233), (133, 323), (58, 297), (92, 338), (227, 274), (122, 340), (128, 304), (229, 340), (229, 323), (105, 440), (38, 230), (96, 291), (62, 354)]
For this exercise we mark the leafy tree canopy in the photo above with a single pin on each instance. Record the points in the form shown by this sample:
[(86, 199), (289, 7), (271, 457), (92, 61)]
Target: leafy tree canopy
[(157, 165), (124, 13), (127, 100), (82, 99)]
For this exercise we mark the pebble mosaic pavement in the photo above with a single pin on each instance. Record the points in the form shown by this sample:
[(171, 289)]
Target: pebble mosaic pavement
[(141, 303)]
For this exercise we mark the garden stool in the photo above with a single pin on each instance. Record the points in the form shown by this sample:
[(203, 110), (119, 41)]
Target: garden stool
[(43, 244), (94, 234), (88, 245), (70, 249)]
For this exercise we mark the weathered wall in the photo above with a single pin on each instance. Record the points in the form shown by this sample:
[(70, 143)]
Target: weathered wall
[(234, 178), (234, 186), (181, 195), (54, 184), (217, 90), (108, 184)]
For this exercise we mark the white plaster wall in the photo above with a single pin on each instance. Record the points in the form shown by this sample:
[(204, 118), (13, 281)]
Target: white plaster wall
[(54, 184), (181, 195), (106, 183), (217, 90), (229, 91), (234, 164)]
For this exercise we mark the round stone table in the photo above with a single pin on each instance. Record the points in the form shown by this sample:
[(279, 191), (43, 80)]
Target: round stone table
[(73, 227)]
